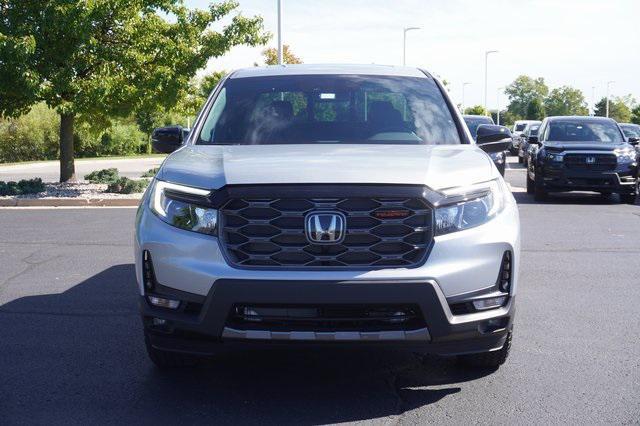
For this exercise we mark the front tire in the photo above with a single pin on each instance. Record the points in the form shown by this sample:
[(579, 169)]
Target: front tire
[(166, 359), (628, 198), (632, 197), (492, 359), (530, 185), (539, 193)]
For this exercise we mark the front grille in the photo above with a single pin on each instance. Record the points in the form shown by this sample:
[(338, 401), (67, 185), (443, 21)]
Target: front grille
[(326, 317), (602, 162), (380, 232)]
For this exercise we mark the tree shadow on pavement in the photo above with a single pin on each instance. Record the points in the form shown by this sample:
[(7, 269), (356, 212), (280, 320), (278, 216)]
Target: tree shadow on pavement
[(79, 357), (568, 198)]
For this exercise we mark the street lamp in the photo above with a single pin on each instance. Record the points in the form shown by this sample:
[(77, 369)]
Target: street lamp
[(465, 84), (404, 44), (280, 53), (486, 60), (498, 98), (608, 84), (593, 100)]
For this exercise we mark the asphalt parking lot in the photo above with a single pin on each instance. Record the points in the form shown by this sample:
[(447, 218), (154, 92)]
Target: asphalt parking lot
[(71, 348)]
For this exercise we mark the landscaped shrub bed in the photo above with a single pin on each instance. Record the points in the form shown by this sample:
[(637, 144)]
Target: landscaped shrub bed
[(127, 186), (25, 186)]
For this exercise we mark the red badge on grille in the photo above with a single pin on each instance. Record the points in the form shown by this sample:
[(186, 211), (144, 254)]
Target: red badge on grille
[(391, 214)]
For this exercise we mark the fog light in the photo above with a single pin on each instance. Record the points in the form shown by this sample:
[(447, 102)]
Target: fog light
[(250, 314), (492, 302), (397, 317), (158, 321), (164, 303)]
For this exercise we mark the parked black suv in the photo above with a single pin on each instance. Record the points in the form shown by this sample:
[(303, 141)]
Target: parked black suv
[(475, 121), (583, 154), (530, 131)]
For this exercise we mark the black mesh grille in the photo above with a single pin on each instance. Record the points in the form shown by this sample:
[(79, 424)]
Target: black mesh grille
[(595, 162), (326, 317), (380, 232)]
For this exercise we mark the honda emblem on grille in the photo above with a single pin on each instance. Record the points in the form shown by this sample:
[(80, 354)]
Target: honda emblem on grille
[(325, 227), (591, 160)]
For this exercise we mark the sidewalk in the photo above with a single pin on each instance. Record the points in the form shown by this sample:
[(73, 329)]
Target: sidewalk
[(49, 171)]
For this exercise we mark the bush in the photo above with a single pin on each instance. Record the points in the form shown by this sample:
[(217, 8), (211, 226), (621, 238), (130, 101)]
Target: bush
[(30, 186), (121, 138), (33, 136), (103, 176), (151, 172), (127, 186)]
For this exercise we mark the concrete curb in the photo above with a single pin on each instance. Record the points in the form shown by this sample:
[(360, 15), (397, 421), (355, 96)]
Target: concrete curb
[(69, 202)]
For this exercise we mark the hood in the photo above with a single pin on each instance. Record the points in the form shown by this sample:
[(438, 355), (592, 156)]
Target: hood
[(584, 146), (437, 166)]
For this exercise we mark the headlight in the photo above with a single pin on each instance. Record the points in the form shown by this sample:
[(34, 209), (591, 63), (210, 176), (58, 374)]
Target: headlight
[(179, 205), (626, 155), (480, 204), (553, 157)]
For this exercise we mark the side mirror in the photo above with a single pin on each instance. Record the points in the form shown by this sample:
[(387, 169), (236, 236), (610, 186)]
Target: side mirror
[(633, 140), (167, 139), (533, 140), (493, 138)]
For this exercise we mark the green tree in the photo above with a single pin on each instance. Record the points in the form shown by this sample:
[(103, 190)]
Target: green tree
[(209, 82), (271, 56), (522, 91), (635, 115), (535, 110), (565, 100), (476, 110), (108, 58), (618, 110)]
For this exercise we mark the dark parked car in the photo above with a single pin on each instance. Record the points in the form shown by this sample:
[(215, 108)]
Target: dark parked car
[(583, 154), (631, 130), (523, 148), (475, 121)]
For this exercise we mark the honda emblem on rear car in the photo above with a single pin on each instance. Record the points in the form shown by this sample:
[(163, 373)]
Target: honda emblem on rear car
[(325, 227), (591, 160)]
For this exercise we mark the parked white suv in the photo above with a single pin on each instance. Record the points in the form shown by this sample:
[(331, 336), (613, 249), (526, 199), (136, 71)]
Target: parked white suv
[(328, 205), (518, 129)]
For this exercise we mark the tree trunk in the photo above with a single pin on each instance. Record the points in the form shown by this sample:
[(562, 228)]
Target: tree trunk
[(67, 166)]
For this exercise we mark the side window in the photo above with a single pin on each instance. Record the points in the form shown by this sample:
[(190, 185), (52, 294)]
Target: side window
[(543, 132), (207, 133)]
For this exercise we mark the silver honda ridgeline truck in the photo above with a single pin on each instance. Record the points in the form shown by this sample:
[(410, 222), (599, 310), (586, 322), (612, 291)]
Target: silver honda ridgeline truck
[(328, 205)]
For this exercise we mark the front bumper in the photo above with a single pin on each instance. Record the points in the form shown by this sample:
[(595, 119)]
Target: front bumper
[(207, 331), (560, 178)]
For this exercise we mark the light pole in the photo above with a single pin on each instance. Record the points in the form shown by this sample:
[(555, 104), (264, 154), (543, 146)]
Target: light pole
[(280, 53), (486, 60), (498, 99), (593, 100), (608, 84), (465, 84), (404, 43)]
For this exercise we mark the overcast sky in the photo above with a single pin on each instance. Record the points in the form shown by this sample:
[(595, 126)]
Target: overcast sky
[(582, 43)]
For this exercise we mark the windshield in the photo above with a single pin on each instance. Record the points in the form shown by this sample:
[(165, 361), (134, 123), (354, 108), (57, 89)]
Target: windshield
[(474, 122), (520, 127), (583, 131), (304, 109)]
